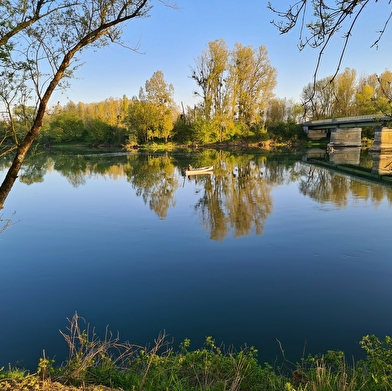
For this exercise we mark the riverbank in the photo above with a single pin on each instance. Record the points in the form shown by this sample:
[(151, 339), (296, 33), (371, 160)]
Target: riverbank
[(112, 365), (172, 146), (210, 370)]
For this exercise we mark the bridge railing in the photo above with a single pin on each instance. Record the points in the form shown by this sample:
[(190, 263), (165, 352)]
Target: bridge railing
[(370, 117)]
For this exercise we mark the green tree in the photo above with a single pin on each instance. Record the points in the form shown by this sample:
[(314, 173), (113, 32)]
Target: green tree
[(203, 130), (98, 132), (143, 120), (67, 126), (158, 91), (94, 123), (345, 85), (364, 100), (281, 119), (39, 42), (251, 81), (209, 73), (183, 126), (160, 94)]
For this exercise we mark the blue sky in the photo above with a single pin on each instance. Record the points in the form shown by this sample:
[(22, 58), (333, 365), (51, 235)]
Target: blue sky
[(170, 40)]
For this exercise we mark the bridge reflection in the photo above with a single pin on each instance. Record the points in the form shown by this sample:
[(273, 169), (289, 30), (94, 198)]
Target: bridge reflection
[(382, 163), (350, 155), (347, 158)]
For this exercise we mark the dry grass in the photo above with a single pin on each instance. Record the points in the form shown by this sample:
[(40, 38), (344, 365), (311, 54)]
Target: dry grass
[(33, 383)]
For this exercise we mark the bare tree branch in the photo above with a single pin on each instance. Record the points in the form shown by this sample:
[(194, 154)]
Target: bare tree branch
[(323, 23)]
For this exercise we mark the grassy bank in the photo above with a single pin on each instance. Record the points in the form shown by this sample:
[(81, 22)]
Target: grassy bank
[(109, 364)]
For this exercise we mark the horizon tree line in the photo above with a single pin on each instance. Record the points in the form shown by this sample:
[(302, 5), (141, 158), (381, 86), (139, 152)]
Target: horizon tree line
[(221, 115)]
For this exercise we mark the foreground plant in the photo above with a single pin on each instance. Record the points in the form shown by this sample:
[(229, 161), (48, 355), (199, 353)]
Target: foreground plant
[(113, 363), (378, 366), (124, 366)]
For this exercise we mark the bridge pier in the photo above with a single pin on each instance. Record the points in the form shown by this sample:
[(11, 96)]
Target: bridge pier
[(345, 137), (382, 139), (381, 163), (317, 134)]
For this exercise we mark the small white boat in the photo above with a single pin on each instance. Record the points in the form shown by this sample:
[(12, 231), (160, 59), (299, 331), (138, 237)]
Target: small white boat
[(199, 170)]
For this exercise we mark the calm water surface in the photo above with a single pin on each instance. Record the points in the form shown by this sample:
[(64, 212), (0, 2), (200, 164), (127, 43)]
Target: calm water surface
[(268, 248)]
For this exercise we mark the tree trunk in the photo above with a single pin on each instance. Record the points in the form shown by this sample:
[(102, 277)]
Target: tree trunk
[(19, 158), (86, 40), (26, 143)]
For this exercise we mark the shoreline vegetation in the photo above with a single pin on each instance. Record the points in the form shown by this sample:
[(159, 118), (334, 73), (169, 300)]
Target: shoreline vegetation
[(268, 145), (108, 364)]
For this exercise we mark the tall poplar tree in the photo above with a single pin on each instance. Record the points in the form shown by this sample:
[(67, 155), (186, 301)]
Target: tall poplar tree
[(209, 74), (235, 86), (364, 103), (161, 94), (345, 85), (252, 80)]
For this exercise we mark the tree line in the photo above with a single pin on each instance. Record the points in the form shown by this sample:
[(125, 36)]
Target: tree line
[(345, 95), (237, 102), (153, 116)]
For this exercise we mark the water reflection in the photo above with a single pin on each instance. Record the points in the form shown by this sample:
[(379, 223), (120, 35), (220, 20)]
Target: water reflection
[(349, 155), (5, 223), (322, 186), (382, 162), (376, 164), (155, 179), (236, 197)]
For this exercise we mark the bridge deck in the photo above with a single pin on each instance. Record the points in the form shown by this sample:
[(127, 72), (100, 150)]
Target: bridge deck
[(347, 122)]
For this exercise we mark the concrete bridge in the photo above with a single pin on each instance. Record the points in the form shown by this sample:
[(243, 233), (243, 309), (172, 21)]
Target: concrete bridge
[(347, 131)]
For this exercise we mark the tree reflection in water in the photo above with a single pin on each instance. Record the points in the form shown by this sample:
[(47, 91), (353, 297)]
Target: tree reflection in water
[(323, 186), (155, 179), (235, 198), (5, 223)]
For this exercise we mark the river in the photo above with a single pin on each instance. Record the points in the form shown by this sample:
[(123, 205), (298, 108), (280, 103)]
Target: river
[(269, 250)]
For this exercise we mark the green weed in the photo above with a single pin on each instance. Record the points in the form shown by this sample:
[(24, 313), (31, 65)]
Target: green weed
[(123, 366)]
